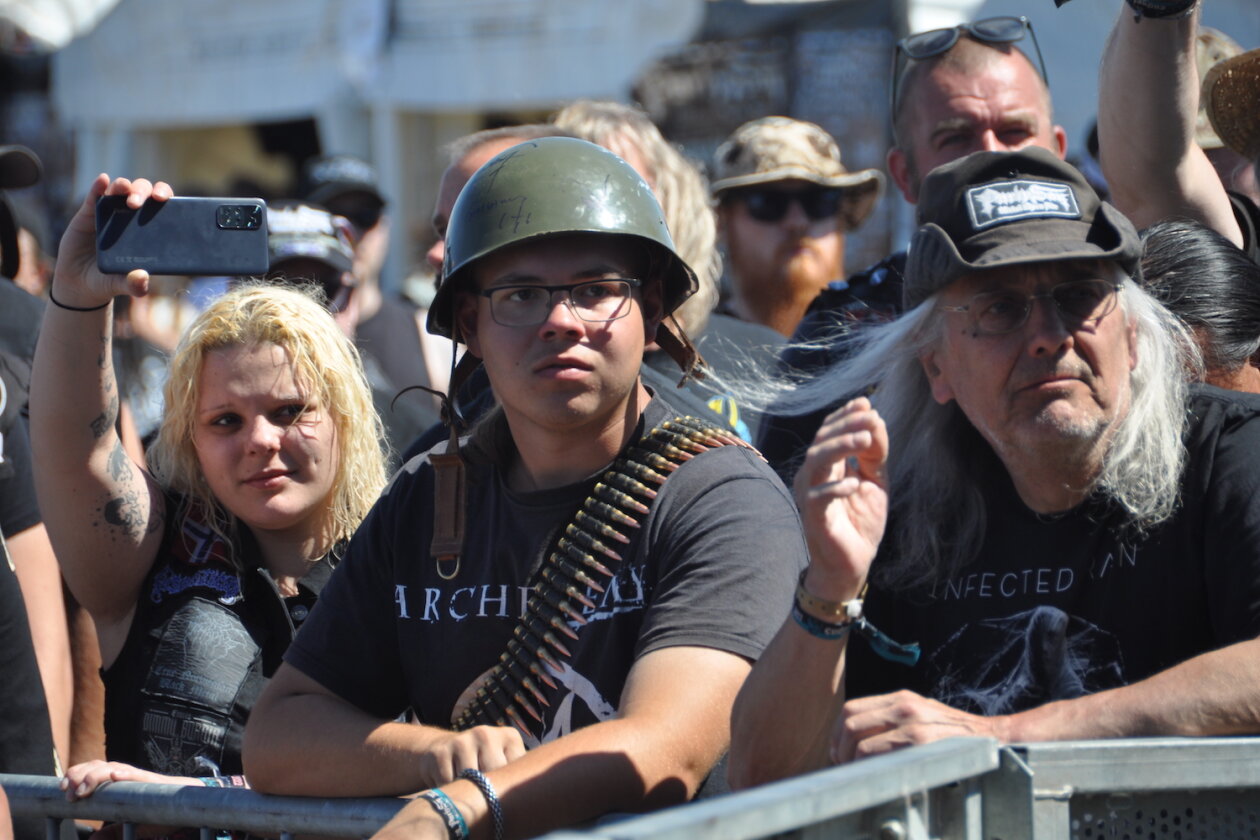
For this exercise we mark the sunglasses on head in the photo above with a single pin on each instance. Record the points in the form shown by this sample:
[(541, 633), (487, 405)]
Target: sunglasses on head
[(934, 42), (771, 206)]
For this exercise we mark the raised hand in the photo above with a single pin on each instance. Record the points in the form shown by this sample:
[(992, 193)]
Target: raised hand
[(843, 499), (77, 282)]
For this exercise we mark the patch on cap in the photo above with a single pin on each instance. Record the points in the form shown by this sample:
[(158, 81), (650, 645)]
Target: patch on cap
[(1007, 201)]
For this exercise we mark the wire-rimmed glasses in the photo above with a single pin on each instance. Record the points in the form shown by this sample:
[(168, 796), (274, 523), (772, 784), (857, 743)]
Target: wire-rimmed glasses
[(1001, 311)]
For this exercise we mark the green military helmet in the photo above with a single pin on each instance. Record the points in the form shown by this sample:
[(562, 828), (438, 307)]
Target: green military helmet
[(548, 187)]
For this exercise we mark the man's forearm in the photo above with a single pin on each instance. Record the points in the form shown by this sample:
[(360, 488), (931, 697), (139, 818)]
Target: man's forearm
[(1148, 103), (1216, 693), (313, 745), (786, 709), (616, 766)]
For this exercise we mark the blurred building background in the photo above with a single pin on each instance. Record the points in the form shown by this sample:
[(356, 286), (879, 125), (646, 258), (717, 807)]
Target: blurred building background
[(230, 97)]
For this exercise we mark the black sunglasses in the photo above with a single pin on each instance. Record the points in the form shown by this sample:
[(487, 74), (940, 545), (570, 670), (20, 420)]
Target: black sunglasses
[(771, 206), (995, 30)]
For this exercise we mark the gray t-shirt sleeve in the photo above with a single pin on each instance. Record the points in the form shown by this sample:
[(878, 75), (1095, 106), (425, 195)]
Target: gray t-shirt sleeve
[(730, 550)]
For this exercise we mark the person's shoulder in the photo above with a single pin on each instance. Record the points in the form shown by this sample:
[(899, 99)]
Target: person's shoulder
[(1247, 214), (20, 316), (723, 457), (1221, 418), (727, 328), (1209, 401), (875, 291)]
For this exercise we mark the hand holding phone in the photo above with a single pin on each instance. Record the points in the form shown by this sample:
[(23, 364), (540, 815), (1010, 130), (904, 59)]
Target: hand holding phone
[(77, 281), (182, 236)]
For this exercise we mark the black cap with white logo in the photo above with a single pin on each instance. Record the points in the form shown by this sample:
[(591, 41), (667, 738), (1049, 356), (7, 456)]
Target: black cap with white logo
[(993, 209)]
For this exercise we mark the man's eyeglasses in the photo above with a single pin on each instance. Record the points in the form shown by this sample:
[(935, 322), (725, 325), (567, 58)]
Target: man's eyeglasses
[(1079, 302), (772, 206), (595, 301), (934, 42)]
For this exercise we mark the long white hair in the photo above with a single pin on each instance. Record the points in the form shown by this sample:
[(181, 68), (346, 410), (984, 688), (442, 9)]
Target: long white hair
[(934, 449)]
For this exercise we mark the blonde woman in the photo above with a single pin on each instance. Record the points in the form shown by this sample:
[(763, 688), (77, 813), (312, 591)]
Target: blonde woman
[(197, 573)]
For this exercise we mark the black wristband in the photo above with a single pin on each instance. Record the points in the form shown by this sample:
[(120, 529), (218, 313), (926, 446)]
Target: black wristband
[(456, 827), (61, 305), (1162, 8), (492, 799)]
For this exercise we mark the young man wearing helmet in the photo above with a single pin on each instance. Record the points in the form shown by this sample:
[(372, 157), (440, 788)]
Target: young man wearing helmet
[(569, 599)]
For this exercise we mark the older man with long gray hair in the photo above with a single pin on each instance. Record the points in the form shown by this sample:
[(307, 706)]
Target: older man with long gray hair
[(1073, 547)]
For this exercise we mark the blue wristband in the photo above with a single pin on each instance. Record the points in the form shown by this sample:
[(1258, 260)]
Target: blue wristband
[(818, 628), (456, 828)]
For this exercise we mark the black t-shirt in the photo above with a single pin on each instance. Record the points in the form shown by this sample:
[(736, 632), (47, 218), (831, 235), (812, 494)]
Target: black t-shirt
[(26, 744), (1248, 217), (20, 317), (713, 564), (1057, 607), (18, 507), (872, 294)]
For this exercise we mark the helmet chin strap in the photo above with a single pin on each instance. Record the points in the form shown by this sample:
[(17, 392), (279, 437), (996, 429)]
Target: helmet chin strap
[(449, 487), (671, 338)]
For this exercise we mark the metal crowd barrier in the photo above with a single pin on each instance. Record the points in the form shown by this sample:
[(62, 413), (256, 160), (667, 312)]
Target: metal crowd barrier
[(960, 789), (210, 809)]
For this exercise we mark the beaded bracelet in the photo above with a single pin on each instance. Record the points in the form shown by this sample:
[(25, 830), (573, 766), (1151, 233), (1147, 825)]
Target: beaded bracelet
[(456, 828), (492, 799), (61, 305), (818, 628)]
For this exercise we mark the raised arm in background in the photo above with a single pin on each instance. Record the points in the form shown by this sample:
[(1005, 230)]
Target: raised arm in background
[(1148, 99), (103, 513)]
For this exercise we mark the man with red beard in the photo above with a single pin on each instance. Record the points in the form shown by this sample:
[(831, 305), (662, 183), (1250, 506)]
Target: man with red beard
[(785, 203)]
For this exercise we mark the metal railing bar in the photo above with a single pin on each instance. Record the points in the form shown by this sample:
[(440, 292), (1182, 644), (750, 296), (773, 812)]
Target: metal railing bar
[(201, 807), (1138, 764), (812, 798)]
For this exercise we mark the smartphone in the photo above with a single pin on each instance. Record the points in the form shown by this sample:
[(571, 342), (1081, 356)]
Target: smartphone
[(183, 236)]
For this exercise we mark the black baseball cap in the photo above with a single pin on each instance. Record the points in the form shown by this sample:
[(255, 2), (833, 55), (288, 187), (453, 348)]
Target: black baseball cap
[(993, 209), (324, 179), (19, 167)]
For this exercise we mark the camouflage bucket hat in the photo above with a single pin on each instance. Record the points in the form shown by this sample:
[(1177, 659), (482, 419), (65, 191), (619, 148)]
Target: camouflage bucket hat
[(780, 149)]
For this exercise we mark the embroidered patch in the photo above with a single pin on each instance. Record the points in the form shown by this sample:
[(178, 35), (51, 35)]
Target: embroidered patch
[(994, 204)]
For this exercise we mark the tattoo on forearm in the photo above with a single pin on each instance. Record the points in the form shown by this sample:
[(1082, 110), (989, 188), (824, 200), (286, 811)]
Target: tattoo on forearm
[(119, 466), (105, 420), (123, 512), (102, 361)]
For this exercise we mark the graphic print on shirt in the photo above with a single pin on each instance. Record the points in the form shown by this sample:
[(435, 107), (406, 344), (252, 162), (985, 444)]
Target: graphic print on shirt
[(1034, 650), (199, 664), (199, 560), (624, 593), (1000, 665)]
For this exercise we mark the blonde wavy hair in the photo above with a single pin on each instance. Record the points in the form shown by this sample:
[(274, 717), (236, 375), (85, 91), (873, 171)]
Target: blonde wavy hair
[(326, 366), (679, 185)]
